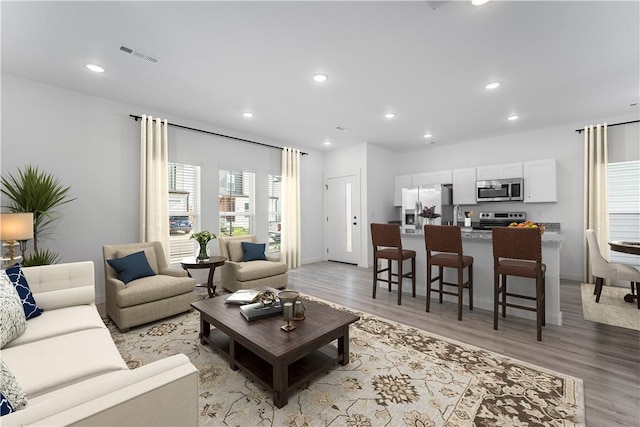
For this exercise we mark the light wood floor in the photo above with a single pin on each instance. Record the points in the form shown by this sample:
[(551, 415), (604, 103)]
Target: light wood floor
[(607, 358)]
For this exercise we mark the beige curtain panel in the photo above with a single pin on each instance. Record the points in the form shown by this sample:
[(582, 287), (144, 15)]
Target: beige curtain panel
[(290, 242), (154, 181), (596, 191)]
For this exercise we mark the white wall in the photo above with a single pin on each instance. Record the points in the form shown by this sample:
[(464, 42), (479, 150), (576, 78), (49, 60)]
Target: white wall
[(92, 145), (561, 143), (381, 165)]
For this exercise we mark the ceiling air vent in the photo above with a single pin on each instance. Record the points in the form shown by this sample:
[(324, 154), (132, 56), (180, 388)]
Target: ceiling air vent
[(139, 54)]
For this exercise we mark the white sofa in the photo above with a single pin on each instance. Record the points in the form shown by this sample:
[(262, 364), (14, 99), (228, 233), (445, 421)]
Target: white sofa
[(72, 373)]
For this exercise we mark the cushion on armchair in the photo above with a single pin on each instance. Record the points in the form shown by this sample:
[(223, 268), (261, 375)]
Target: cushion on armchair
[(131, 267), (149, 252), (253, 251)]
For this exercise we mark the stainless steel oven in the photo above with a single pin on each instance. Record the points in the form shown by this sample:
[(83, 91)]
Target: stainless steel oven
[(500, 190), (488, 220)]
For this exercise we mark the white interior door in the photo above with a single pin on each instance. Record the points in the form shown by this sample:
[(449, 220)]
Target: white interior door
[(343, 219)]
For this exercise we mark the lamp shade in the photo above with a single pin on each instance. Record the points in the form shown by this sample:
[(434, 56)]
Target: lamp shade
[(16, 226)]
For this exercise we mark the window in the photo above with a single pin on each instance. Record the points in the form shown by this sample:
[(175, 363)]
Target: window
[(236, 202), (624, 206), (184, 209), (275, 216)]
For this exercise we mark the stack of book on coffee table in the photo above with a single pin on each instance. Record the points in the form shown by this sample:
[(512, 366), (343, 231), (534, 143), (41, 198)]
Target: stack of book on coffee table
[(243, 296), (249, 308), (258, 311)]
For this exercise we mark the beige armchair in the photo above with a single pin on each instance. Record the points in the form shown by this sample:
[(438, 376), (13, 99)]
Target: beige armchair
[(168, 292), (238, 274)]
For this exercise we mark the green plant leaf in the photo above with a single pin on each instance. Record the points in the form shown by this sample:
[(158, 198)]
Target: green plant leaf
[(40, 257), (32, 190)]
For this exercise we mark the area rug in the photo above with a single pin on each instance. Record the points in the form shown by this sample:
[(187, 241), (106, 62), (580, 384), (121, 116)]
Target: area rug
[(397, 376), (612, 309)]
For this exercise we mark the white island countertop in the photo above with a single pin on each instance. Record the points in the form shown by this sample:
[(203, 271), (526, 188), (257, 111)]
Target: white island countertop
[(477, 243)]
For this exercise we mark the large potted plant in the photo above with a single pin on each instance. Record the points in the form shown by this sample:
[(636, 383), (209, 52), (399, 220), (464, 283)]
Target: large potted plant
[(32, 190)]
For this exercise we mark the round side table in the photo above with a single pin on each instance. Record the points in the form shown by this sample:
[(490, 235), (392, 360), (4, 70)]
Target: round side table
[(211, 263)]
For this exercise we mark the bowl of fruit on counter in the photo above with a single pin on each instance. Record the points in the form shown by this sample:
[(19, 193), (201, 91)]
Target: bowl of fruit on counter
[(527, 224)]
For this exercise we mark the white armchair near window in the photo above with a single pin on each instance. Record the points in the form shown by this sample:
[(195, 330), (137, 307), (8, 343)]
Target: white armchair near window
[(239, 274)]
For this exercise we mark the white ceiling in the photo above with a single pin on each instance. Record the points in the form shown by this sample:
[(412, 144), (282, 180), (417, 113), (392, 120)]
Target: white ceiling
[(558, 62)]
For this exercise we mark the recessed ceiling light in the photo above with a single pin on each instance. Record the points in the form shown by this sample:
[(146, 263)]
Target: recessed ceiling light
[(513, 117), (390, 115), (492, 85), (95, 68), (427, 135), (479, 2), (327, 143), (320, 77), (247, 114)]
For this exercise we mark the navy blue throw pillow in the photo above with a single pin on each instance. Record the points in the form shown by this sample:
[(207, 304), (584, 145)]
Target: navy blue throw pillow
[(131, 267), (5, 405), (253, 251), (18, 280)]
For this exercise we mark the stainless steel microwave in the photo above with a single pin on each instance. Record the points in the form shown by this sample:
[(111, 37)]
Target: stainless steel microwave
[(500, 190)]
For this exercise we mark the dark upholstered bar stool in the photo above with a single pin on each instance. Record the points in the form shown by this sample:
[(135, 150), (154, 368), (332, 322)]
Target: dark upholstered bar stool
[(446, 240), (387, 244), (518, 252)]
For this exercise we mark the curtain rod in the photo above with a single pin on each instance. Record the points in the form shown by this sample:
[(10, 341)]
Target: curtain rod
[(611, 125), (136, 118)]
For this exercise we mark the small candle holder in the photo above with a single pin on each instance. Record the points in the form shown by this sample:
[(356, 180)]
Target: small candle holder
[(298, 310), (287, 315)]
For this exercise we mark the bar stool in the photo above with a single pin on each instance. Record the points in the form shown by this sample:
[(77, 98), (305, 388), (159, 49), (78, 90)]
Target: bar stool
[(518, 252), (446, 240), (387, 244)]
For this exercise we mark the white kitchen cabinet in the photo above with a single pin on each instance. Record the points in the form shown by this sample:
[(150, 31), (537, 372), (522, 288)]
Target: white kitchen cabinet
[(431, 178), (400, 181), (540, 181), (501, 171), (464, 186)]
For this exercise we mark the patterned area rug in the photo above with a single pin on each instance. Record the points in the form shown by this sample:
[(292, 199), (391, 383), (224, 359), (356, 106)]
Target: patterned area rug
[(397, 376), (612, 309)]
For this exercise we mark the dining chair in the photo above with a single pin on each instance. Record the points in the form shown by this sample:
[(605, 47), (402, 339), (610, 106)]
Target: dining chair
[(602, 269), (387, 244), (518, 252), (443, 244)]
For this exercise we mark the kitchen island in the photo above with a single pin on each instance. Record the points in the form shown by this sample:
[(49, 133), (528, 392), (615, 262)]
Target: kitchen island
[(478, 244)]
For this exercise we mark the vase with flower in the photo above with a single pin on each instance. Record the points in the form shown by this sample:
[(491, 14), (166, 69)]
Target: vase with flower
[(203, 238), (430, 214)]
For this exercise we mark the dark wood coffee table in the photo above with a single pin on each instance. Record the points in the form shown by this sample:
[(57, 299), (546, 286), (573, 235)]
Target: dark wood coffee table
[(279, 360)]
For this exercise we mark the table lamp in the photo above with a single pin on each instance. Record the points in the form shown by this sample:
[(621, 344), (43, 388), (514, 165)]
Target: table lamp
[(16, 227)]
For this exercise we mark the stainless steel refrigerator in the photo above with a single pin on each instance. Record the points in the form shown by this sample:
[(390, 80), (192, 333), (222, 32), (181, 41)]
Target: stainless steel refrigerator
[(415, 199)]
